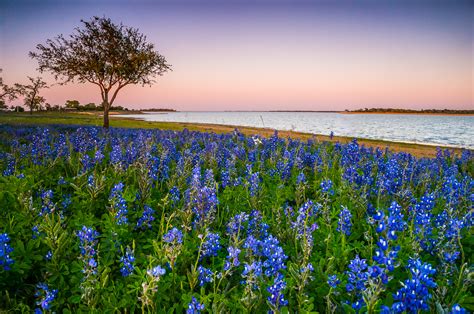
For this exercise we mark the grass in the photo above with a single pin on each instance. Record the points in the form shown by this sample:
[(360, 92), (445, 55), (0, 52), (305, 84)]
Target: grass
[(95, 119)]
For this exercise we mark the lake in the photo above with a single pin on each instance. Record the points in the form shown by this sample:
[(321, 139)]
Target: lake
[(456, 131)]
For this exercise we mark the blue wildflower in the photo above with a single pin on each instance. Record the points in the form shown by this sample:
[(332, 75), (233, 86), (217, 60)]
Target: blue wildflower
[(204, 275), (118, 204), (414, 295), (5, 250), (232, 258), (173, 236), (277, 299), (326, 187), (147, 218), (275, 257), (45, 296), (254, 184), (127, 263), (156, 271), (344, 224), (211, 245), (456, 309), (333, 281), (47, 205), (194, 307), (301, 179), (357, 274), (88, 241)]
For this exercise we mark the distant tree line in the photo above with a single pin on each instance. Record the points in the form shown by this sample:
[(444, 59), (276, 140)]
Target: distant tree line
[(159, 110), (75, 105), (396, 110)]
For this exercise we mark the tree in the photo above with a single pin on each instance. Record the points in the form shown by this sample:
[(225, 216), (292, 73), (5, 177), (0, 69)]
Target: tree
[(31, 93), (90, 106), (72, 104), (108, 55), (6, 92)]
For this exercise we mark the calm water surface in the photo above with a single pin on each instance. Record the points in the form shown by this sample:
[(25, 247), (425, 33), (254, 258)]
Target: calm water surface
[(428, 129)]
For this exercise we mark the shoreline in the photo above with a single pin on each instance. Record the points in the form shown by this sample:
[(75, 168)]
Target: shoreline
[(416, 149), (301, 111), (414, 113), (94, 119)]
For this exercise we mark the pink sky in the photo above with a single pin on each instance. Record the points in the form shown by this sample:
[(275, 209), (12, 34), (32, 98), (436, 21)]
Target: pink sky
[(272, 58)]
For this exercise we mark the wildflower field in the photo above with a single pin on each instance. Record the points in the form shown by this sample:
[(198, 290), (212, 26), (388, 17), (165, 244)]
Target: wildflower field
[(131, 220)]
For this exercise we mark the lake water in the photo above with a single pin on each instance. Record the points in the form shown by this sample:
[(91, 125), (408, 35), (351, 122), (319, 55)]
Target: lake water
[(456, 131)]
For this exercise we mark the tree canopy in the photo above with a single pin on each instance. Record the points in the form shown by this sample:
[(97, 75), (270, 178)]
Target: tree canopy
[(31, 93), (108, 55), (6, 92)]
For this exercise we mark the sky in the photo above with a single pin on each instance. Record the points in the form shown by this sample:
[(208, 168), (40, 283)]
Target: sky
[(268, 55)]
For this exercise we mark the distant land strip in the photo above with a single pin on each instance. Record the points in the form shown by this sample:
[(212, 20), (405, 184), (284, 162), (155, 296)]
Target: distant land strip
[(412, 111)]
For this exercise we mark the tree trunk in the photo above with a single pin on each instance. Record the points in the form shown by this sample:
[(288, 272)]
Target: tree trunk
[(106, 115)]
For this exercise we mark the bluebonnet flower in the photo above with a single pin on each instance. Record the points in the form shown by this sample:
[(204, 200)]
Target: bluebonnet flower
[(150, 285), (61, 181), (116, 155), (10, 169), (255, 268), (91, 182), (252, 245), (357, 274), (49, 256), (275, 257), (211, 245), (98, 156), (236, 224), (204, 206), (301, 179), (225, 178), (194, 307), (45, 296), (173, 236), (326, 187), (204, 275), (127, 263), (387, 227), (35, 231), (175, 194), (451, 257), (147, 218), (88, 241), (414, 295), (5, 250), (344, 224), (118, 204), (232, 259), (456, 309), (66, 201), (156, 271), (47, 205), (255, 224), (423, 220), (276, 300), (254, 184), (305, 223), (173, 240), (333, 281), (87, 163)]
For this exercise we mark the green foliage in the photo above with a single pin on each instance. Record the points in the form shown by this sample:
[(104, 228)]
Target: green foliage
[(46, 161)]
